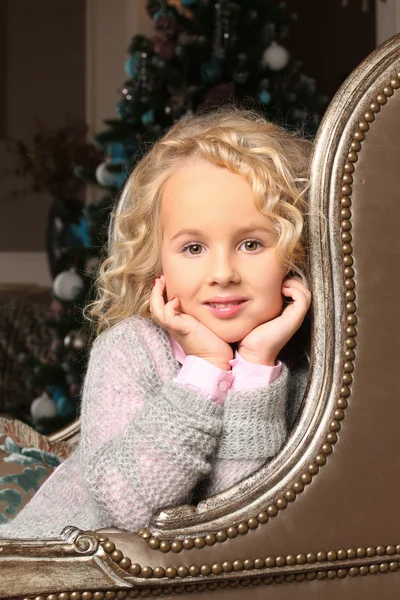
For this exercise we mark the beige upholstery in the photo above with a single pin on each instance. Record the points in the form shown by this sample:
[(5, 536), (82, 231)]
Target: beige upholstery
[(322, 520)]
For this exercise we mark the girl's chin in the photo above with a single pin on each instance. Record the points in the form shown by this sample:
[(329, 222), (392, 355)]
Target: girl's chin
[(231, 335)]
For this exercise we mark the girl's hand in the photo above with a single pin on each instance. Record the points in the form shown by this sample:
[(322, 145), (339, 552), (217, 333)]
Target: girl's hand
[(194, 337), (263, 344)]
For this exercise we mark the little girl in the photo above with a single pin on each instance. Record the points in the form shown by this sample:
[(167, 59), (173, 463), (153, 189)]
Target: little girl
[(195, 303)]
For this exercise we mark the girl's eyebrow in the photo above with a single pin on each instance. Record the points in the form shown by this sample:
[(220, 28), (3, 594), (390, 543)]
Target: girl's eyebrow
[(255, 229), (242, 231), (192, 232)]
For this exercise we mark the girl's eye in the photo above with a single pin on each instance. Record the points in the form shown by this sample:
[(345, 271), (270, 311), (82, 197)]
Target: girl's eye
[(193, 249), (251, 245)]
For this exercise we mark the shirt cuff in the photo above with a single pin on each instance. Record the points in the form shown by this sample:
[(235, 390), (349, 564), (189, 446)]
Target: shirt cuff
[(209, 380), (248, 375)]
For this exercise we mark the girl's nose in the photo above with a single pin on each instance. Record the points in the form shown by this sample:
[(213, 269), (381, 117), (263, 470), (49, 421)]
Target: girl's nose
[(224, 270)]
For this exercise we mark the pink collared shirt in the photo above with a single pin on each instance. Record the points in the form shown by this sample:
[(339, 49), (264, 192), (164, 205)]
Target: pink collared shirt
[(214, 382)]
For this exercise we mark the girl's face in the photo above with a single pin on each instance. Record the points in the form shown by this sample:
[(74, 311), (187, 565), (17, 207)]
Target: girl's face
[(218, 251)]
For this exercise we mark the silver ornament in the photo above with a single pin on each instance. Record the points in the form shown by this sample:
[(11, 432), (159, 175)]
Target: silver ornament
[(43, 407), (68, 285), (75, 340), (275, 57)]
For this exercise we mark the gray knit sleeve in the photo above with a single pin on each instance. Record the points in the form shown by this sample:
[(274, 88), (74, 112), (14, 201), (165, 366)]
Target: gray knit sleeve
[(254, 430), (297, 388), (145, 442), (254, 423)]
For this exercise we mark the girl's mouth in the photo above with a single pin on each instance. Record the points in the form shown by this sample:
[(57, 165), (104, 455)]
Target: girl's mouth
[(225, 310)]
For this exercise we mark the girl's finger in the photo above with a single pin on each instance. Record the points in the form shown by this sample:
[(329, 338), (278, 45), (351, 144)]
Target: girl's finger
[(298, 294), (294, 278), (171, 309), (157, 302), (295, 282), (295, 289), (176, 321), (298, 284)]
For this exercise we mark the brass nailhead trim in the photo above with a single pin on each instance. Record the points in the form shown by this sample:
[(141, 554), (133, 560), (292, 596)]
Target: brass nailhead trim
[(259, 563), (348, 366), (339, 573)]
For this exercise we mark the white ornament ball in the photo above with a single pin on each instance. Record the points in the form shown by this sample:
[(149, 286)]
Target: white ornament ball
[(275, 57), (108, 178), (43, 407), (68, 285)]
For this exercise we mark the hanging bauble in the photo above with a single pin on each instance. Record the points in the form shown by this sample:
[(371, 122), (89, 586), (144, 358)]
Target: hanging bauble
[(43, 407), (111, 173), (132, 65), (116, 151), (265, 96), (275, 57), (75, 340), (211, 71), (148, 117), (65, 406), (78, 234), (68, 285)]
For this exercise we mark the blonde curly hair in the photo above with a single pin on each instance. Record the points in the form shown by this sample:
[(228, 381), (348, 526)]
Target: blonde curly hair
[(275, 163)]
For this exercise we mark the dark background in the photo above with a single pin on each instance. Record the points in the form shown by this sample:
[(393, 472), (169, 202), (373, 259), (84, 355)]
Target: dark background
[(331, 40)]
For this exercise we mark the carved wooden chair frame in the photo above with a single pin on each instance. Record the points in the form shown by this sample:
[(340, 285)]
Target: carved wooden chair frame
[(324, 512)]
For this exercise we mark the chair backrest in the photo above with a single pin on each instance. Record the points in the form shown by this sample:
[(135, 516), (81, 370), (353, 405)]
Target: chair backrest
[(354, 249)]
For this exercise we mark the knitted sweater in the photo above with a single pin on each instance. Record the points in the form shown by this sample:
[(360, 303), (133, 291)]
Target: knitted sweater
[(147, 440)]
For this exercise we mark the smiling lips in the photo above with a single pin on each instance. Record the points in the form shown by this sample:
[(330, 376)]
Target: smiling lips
[(226, 307)]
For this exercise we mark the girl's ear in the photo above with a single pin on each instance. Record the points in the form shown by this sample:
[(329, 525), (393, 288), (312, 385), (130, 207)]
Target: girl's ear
[(165, 292)]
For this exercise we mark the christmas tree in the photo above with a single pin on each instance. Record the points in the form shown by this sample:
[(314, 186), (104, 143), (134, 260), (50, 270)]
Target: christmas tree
[(204, 53)]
